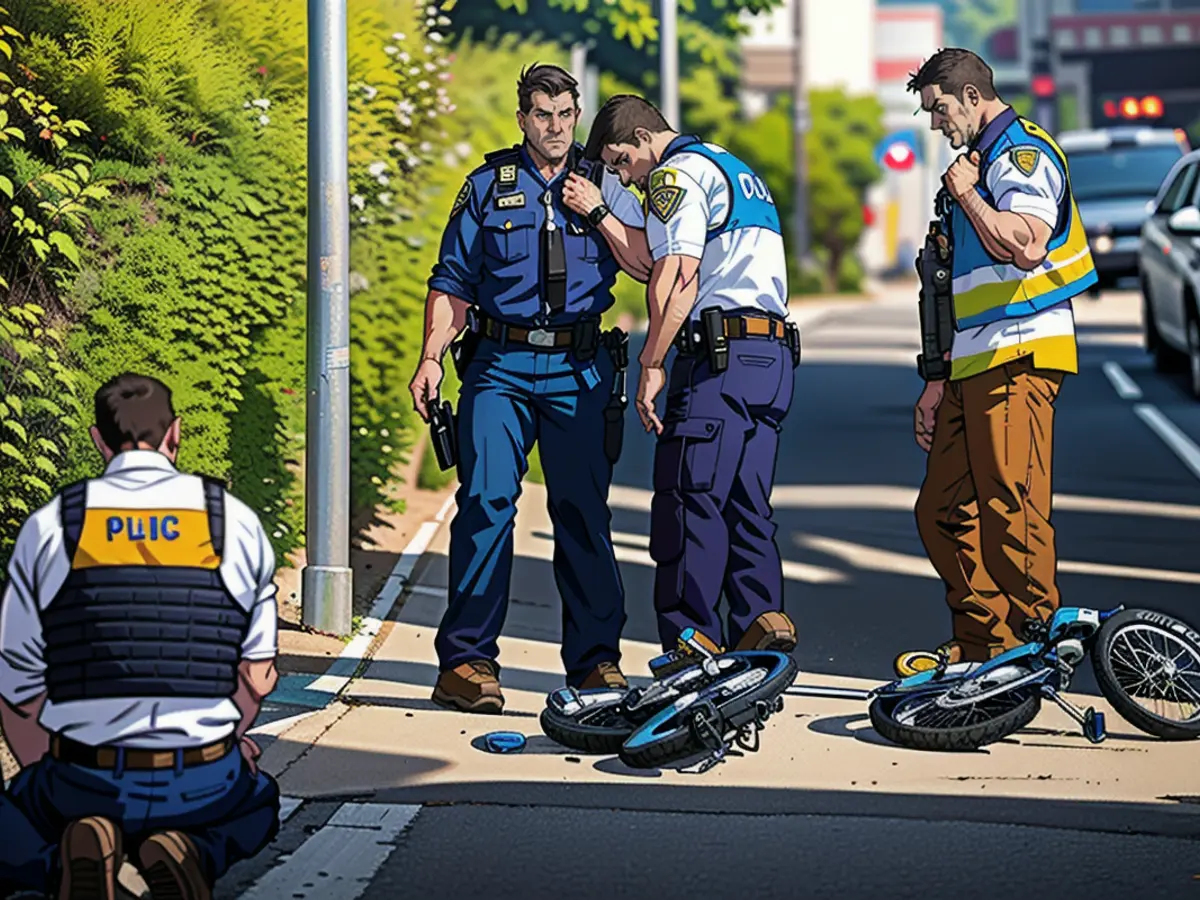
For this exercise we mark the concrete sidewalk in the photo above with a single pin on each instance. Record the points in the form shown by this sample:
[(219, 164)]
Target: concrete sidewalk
[(387, 734), (383, 735)]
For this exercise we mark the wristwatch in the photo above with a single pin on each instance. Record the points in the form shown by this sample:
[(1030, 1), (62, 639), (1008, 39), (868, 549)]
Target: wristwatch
[(596, 216)]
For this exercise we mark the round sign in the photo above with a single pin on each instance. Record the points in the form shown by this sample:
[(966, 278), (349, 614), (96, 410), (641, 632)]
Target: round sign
[(899, 156)]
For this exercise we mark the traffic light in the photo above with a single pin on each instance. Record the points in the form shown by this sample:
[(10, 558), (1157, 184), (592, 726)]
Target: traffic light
[(1133, 107)]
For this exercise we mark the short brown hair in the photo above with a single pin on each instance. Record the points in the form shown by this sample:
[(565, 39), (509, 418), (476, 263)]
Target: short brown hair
[(618, 118), (550, 80), (133, 409), (951, 70)]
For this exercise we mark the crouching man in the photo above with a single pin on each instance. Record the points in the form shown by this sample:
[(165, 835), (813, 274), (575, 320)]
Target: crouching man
[(137, 641)]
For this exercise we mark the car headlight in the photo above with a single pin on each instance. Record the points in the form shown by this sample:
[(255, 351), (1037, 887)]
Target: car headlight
[(1102, 244)]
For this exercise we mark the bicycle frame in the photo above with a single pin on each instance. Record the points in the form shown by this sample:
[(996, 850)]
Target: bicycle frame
[(1070, 629)]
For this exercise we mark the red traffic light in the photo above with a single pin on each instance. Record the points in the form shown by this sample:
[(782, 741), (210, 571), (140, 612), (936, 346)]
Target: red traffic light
[(1042, 86)]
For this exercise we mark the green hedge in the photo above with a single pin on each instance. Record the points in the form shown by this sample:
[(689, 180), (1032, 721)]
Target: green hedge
[(174, 238)]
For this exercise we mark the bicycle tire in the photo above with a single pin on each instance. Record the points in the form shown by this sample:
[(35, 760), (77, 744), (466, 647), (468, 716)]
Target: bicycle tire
[(1115, 694), (680, 742), (581, 736), (956, 739)]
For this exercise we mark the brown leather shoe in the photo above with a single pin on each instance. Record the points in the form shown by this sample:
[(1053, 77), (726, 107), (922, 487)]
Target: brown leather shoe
[(605, 675), (91, 858), (471, 687), (770, 631), (171, 866)]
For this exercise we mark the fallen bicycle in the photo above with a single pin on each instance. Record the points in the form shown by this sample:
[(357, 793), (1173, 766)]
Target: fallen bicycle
[(702, 700), (1137, 654)]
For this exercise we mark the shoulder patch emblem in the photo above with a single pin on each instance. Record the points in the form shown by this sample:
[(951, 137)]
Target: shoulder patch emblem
[(464, 194), (661, 178), (1025, 158), (665, 200)]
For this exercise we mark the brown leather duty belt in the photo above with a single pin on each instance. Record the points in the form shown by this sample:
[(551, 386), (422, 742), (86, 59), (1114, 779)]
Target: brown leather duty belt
[(546, 338), (755, 326), (66, 750), (690, 339)]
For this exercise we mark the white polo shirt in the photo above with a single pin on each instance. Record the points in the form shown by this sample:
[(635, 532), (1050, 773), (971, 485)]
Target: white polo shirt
[(135, 479)]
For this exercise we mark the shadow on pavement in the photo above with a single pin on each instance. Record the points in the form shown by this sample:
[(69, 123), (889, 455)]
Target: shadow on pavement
[(706, 795)]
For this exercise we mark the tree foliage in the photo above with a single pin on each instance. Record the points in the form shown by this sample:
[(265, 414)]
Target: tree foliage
[(623, 37), (841, 166)]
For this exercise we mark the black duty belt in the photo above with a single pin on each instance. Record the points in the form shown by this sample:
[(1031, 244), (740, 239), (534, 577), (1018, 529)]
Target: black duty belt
[(66, 750)]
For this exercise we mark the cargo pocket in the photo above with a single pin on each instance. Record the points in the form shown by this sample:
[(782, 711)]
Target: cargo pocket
[(700, 449), (685, 462)]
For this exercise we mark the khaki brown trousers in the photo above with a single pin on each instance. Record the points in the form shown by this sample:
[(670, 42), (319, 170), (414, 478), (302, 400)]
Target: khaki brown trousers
[(983, 512)]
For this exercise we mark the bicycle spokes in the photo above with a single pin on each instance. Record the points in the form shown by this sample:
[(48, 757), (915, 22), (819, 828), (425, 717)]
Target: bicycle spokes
[(1152, 665)]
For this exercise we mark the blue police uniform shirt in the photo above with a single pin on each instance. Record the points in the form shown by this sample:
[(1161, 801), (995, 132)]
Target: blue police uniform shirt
[(490, 253)]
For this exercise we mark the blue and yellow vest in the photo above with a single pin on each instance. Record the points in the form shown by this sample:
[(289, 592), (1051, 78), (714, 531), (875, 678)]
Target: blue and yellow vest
[(986, 290), (143, 612), (750, 203)]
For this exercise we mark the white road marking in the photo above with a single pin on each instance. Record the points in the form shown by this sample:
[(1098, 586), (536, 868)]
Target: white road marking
[(340, 859), (872, 559), (1181, 445), (1125, 386), (338, 675), (899, 498)]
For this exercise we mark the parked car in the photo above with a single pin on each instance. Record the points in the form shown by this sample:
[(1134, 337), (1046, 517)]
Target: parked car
[(1169, 259), (1114, 173)]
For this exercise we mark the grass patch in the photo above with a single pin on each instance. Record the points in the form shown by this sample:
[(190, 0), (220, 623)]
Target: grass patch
[(534, 475)]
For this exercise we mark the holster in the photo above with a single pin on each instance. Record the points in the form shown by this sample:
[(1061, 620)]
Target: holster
[(443, 429), (935, 304), (793, 342), (463, 350), (616, 342), (712, 323)]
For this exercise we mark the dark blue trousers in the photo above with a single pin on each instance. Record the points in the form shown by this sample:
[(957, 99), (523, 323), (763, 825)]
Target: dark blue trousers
[(509, 398), (230, 813), (714, 466)]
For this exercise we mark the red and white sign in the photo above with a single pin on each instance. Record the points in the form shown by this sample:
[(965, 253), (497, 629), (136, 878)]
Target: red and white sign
[(899, 156)]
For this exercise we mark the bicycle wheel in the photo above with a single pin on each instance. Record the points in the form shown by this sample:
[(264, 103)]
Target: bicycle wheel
[(949, 720), (597, 727), (1145, 655), (674, 733)]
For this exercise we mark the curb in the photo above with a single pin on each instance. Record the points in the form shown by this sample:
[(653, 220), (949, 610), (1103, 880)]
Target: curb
[(315, 692)]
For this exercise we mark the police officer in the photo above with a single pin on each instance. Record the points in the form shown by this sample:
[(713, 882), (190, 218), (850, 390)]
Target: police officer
[(1020, 254), (718, 291), (137, 642), (528, 280)]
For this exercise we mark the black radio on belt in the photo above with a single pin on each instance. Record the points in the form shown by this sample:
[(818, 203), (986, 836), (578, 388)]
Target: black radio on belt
[(585, 338), (712, 324)]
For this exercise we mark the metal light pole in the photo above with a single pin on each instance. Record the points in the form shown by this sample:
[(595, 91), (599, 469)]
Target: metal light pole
[(325, 591), (669, 59), (800, 127)]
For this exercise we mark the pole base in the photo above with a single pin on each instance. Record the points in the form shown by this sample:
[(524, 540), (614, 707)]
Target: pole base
[(327, 598)]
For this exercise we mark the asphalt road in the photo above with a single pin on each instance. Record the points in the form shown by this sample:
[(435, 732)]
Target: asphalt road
[(851, 427), (849, 434)]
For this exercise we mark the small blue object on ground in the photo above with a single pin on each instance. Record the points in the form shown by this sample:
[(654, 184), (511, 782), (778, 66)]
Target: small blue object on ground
[(504, 742)]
